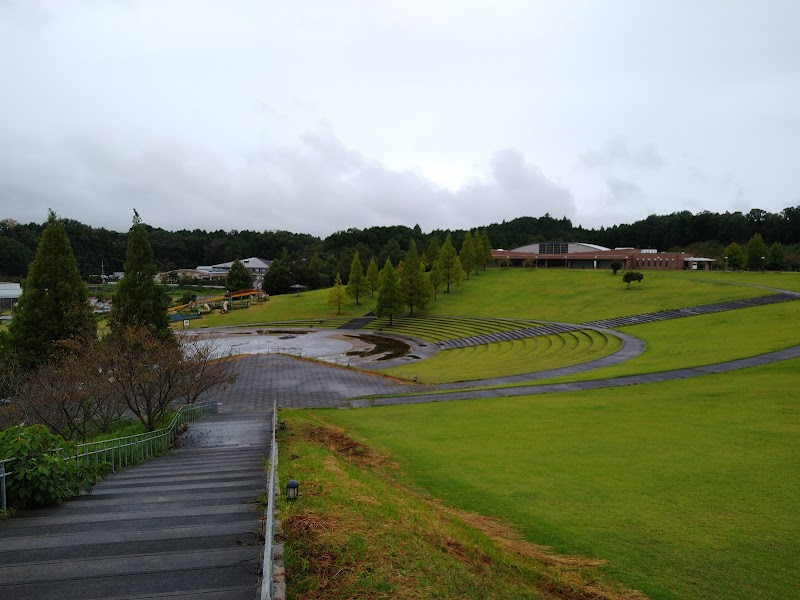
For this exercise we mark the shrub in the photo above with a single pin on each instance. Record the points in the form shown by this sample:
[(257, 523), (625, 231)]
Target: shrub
[(45, 470), (630, 276)]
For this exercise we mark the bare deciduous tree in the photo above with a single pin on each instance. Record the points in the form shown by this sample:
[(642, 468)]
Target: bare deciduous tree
[(149, 374), (72, 395)]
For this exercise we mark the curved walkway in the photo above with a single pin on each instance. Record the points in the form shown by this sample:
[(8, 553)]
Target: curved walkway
[(631, 347), (465, 394)]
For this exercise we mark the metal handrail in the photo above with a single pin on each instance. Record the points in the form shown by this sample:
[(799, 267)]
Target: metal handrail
[(132, 448), (3, 475), (129, 449), (268, 574)]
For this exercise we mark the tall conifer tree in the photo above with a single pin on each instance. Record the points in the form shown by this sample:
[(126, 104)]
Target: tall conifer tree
[(373, 276), (356, 283), (54, 305), (412, 280), (448, 257), (139, 300), (467, 254), (390, 296)]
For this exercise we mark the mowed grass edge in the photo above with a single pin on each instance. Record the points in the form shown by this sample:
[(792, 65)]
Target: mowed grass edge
[(688, 488), (357, 532)]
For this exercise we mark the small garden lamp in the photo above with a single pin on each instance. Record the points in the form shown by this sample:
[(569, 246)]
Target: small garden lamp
[(292, 489)]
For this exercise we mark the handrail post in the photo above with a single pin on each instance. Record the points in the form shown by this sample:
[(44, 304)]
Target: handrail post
[(3, 483)]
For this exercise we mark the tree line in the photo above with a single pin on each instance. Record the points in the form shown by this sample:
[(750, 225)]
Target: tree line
[(314, 262), (417, 278)]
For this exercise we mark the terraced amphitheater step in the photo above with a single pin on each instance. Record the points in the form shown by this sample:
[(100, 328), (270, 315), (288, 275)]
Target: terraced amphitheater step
[(516, 334), (358, 322), (690, 311)]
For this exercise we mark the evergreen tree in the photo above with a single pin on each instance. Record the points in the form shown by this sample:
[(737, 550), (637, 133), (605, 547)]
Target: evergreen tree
[(279, 278), (457, 271), (139, 300), (54, 305), (487, 249), (373, 276), (423, 262), (239, 278), (412, 280), (337, 294), (390, 296), (477, 247), (467, 254), (734, 257), (756, 252), (448, 257), (356, 283), (437, 277), (433, 249), (776, 258)]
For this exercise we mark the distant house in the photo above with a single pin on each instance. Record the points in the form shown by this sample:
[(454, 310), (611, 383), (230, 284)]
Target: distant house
[(9, 295), (256, 266), (175, 275), (213, 273)]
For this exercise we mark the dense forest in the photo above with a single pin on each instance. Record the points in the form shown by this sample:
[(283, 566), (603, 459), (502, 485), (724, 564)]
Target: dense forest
[(314, 262)]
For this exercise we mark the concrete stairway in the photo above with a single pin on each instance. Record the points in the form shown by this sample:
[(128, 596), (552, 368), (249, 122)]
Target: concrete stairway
[(180, 526), (358, 322)]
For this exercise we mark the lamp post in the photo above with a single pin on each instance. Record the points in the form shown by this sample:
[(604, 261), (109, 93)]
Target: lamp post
[(726, 264), (292, 490)]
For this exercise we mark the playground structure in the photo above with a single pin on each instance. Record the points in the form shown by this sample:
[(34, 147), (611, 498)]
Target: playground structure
[(225, 302)]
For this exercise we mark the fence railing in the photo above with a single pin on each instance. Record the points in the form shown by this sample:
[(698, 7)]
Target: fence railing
[(4, 472), (247, 350), (122, 451), (267, 571)]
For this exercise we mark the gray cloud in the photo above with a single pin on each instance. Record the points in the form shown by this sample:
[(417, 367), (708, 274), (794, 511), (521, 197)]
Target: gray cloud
[(624, 192), (317, 185), (204, 111), (619, 152)]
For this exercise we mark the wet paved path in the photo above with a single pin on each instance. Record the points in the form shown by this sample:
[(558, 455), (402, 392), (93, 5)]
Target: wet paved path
[(466, 394)]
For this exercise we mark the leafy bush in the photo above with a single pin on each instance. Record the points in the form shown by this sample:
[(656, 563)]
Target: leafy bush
[(630, 276), (44, 471)]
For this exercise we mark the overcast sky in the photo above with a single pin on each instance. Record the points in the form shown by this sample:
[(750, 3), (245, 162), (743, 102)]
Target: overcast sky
[(316, 116)]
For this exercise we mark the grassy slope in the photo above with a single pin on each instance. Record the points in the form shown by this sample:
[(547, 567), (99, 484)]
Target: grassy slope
[(689, 488), (784, 281), (578, 296), (356, 533), (705, 339), (512, 358), (307, 305)]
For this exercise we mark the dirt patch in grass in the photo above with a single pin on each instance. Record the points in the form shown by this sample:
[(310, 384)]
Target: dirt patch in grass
[(384, 540), (343, 445), (389, 348)]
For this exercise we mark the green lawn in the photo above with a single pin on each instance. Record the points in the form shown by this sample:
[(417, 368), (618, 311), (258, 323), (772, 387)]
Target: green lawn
[(785, 280), (689, 488), (307, 305), (576, 296), (705, 339), (512, 357)]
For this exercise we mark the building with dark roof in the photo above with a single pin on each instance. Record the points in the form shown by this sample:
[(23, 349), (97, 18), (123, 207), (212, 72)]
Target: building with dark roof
[(577, 255)]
